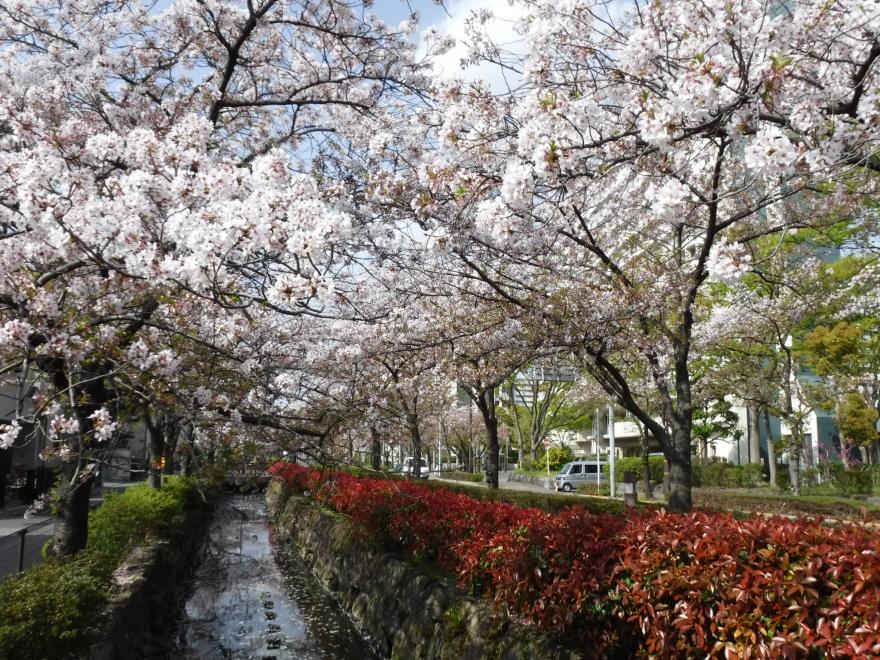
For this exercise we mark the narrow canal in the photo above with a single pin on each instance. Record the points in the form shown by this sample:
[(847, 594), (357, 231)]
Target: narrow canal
[(250, 599)]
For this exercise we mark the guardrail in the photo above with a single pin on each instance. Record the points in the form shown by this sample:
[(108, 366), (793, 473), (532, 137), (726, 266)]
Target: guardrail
[(19, 538)]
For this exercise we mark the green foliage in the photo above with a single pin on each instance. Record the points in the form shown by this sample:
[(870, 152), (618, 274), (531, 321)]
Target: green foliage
[(559, 456), (544, 406), (128, 519), (656, 465), (783, 478), (751, 475), (601, 490), (719, 474), (47, 609), (478, 477), (718, 419), (809, 477), (857, 420), (835, 350), (859, 481)]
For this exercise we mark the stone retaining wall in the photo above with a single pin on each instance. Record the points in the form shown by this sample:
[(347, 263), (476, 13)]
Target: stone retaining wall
[(137, 621), (404, 610)]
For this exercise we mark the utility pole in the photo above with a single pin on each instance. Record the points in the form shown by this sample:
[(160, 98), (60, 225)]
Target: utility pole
[(611, 444), (439, 439)]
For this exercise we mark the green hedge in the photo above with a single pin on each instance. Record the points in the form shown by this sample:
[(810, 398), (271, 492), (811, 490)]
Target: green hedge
[(858, 481), (46, 609), (477, 477), (719, 474), (656, 465)]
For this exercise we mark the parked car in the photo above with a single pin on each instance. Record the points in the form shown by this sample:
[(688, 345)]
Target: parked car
[(408, 468), (576, 473)]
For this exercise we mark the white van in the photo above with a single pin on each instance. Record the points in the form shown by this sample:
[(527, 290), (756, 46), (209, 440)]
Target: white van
[(408, 468), (576, 473)]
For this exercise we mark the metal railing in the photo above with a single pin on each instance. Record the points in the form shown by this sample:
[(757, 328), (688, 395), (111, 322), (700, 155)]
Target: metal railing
[(13, 546)]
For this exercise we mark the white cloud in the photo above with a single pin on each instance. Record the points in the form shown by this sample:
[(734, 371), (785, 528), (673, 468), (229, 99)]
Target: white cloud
[(500, 28)]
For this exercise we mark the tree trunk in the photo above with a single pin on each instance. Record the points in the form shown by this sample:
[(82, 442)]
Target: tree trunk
[(492, 461), (646, 466), (186, 449), (185, 461), (771, 450), (680, 471), (72, 522), (754, 436), (416, 437), (794, 464), (169, 450), (157, 448), (520, 453), (485, 401), (375, 449)]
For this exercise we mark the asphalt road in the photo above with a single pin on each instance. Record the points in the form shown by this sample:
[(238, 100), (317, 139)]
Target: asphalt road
[(505, 484)]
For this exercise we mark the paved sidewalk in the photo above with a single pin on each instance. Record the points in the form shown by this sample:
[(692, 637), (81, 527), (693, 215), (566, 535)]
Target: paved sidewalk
[(40, 530), (506, 485)]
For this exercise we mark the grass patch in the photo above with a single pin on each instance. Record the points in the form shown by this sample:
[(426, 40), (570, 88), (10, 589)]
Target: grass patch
[(813, 505), (546, 501), (476, 478)]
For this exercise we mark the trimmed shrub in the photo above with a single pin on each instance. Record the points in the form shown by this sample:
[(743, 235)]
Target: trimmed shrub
[(602, 490), (656, 466), (46, 609), (858, 481), (720, 474), (751, 475), (126, 520), (559, 456), (647, 584), (465, 476), (709, 585)]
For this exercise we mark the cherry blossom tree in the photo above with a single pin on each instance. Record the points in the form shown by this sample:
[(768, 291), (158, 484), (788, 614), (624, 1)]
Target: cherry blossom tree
[(155, 158), (637, 157)]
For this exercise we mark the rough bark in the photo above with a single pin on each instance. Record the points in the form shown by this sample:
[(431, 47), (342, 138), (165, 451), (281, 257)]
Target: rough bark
[(794, 463), (72, 522), (680, 470), (485, 401), (375, 449), (771, 450), (754, 435), (169, 451), (186, 449), (412, 421), (794, 424), (156, 447)]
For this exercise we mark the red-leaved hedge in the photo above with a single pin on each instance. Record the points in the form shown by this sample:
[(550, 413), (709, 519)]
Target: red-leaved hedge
[(650, 583)]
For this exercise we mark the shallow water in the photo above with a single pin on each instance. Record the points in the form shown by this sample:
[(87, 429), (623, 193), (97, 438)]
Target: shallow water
[(251, 599)]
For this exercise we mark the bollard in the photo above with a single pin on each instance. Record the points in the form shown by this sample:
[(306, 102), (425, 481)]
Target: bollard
[(630, 497), (21, 534)]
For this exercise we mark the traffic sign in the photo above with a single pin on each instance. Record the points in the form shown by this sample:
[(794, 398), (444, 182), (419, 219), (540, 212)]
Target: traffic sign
[(547, 443)]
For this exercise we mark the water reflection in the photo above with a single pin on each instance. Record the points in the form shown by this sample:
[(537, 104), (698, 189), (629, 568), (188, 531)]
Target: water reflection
[(249, 599)]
